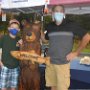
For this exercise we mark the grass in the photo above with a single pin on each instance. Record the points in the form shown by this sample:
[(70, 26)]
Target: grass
[(85, 50)]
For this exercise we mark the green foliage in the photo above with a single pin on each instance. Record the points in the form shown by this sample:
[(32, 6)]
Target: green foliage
[(85, 50), (29, 17), (83, 20)]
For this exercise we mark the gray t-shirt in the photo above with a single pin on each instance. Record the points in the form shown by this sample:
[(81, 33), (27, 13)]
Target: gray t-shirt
[(61, 40), (60, 44)]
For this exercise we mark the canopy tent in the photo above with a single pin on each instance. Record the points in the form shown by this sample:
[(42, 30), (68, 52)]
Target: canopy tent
[(30, 6), (74, 6), (53, 2), (10, 4), (24, 6)]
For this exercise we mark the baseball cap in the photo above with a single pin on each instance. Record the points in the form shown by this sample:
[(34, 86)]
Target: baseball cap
[(14, 21)]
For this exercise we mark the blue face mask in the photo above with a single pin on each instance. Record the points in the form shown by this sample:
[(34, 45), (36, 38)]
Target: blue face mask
[(58, 16), (13, 31)]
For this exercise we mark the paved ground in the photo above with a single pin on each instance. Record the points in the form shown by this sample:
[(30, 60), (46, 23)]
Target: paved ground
[(69, 89), (73, 89)]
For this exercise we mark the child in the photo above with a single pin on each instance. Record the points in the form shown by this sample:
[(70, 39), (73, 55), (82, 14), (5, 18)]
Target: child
[(9, 65)]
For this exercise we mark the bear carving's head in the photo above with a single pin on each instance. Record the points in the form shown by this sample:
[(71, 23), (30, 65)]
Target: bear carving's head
[(29, 32)]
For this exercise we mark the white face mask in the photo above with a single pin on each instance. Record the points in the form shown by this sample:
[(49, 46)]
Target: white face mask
[(58, 16)]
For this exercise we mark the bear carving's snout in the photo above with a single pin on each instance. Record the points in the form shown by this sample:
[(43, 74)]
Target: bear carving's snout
[(29, 34)]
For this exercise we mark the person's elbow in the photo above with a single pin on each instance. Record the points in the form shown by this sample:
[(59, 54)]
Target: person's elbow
[(86, 37)]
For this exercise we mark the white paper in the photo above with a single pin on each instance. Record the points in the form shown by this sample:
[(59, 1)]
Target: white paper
[(4, 17)]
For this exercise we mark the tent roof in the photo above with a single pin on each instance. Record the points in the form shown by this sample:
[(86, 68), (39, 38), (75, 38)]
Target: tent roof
[(78, 8), (74, 6), (69, 2), (37, 9), (71, 7)]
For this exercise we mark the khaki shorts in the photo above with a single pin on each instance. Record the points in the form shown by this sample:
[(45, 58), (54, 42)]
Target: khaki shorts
[(58, 75)]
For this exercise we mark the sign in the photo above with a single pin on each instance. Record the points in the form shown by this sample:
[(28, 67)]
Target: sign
[(9, 4), (19, 1), (3, 16)]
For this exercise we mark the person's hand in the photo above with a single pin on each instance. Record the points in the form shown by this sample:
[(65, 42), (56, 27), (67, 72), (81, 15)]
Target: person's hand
[(1, 64), (20, 42), (40, 60), (71, 56)]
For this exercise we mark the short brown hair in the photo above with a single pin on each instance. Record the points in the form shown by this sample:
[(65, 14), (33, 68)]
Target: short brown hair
[(53, 8)]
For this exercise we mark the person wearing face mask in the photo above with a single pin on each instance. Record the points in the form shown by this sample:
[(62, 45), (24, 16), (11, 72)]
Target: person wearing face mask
[(9, 65), (61, 33)]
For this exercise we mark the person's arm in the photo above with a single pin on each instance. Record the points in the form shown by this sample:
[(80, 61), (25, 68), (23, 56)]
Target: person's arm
[(1, 43), (19, 43), (1, 64), (85, 40), (43, 37)]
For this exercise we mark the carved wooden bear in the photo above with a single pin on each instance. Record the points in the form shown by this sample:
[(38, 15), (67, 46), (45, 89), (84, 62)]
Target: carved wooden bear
[(29, 75)]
